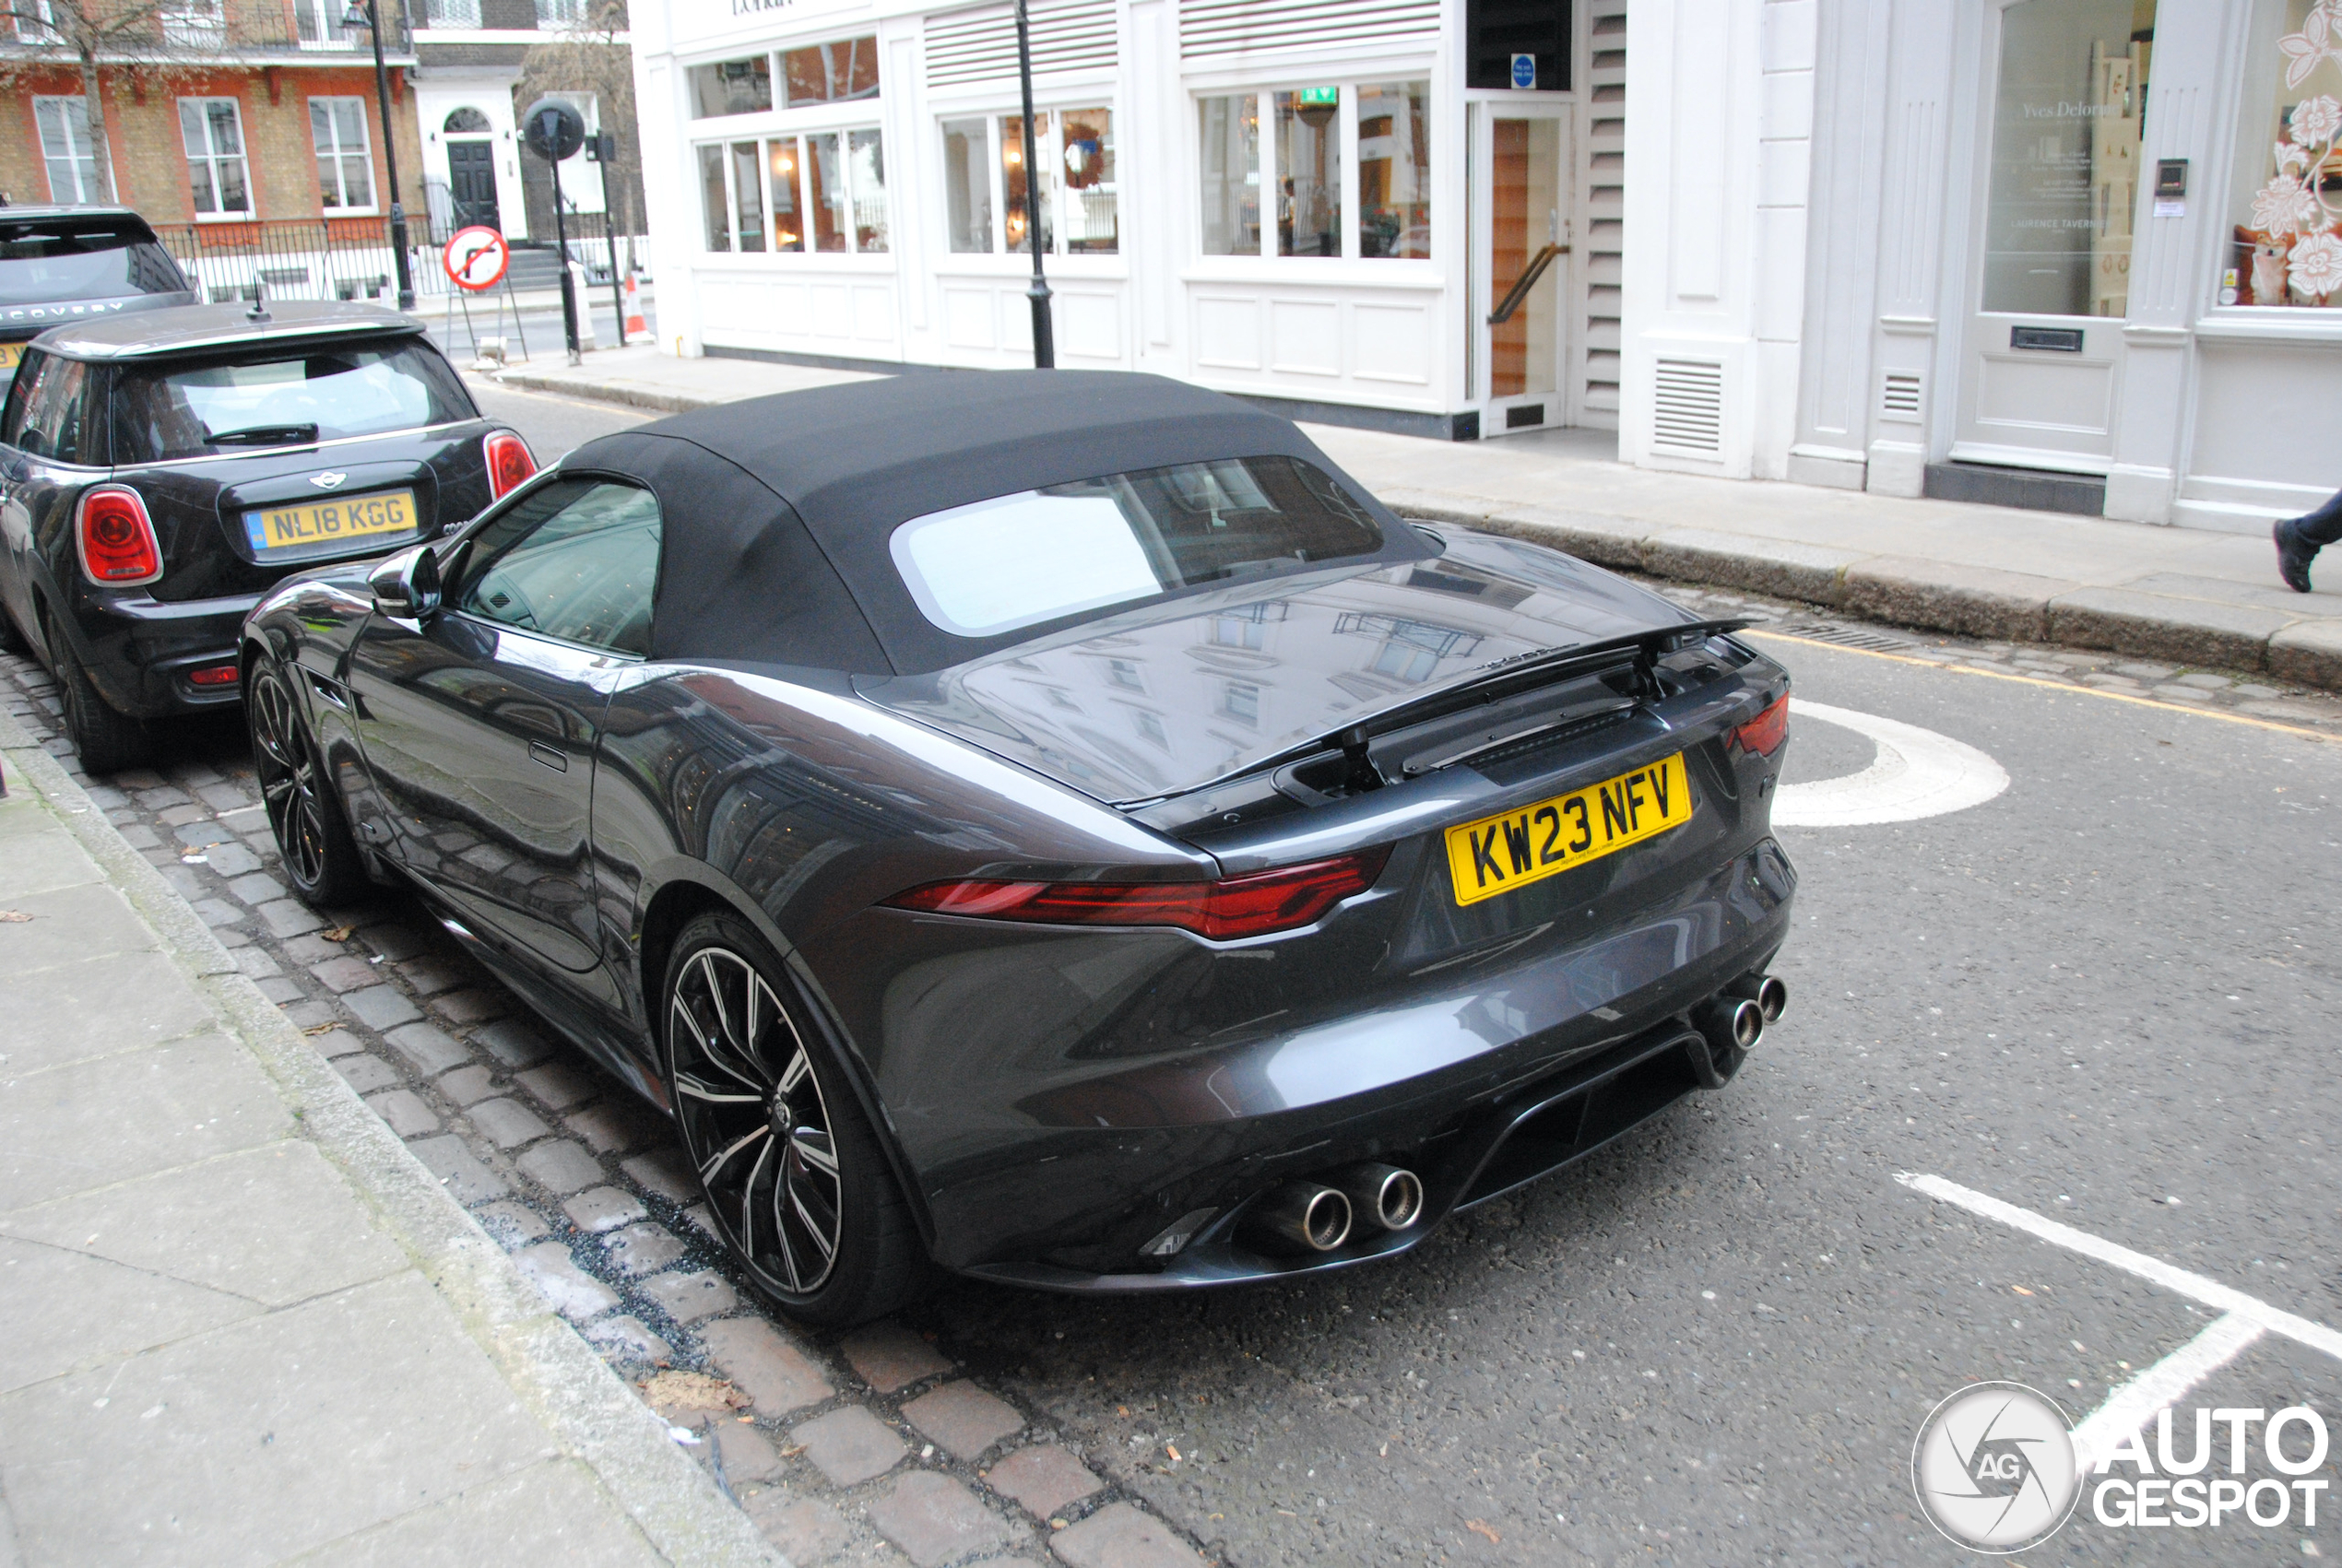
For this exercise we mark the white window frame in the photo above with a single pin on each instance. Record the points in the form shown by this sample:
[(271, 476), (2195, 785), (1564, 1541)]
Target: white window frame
[(1052, 151), (241, 157), (796, 133), (1347, 79), (365, 149), (78, 158)]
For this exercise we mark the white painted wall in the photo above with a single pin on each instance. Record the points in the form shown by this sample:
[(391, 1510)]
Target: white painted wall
[(1719, 98)]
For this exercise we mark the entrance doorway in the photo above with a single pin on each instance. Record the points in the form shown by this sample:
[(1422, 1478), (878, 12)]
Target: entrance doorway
[(1520, 265), (2042, 361), (471, 171)]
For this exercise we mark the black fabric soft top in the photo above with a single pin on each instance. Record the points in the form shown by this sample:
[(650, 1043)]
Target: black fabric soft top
[(777, 511)]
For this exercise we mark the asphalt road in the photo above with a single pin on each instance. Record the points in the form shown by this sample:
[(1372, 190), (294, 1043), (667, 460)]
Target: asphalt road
[(2104, 996)]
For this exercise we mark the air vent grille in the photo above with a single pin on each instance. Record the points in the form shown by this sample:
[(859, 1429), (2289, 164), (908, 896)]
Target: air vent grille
[(1688, 412), (980, 45), (1899, 397), (1241, 27)]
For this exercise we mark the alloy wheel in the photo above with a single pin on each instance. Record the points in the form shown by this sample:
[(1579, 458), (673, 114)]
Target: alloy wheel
[(289, 782), (755, 1121)]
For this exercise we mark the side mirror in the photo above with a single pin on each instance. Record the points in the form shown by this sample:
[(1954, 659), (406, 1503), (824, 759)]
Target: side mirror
[(406, 586)]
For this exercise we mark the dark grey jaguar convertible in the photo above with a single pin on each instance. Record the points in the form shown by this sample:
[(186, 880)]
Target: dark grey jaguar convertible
[(1052, 826)]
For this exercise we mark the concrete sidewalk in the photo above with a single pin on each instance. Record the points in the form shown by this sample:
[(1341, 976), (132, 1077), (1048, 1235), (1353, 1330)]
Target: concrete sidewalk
[(244, 1323), (2178, 595)]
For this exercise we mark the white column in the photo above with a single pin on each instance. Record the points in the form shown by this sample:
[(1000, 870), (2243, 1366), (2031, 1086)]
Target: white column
[(670, 181), (1719, 100)]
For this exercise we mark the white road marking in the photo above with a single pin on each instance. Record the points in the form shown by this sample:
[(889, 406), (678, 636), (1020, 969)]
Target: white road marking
[(2244, 1319), (2166, 1383), (1917, 773)]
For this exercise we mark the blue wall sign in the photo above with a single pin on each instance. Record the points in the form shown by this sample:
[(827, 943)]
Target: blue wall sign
[(1524, 70)]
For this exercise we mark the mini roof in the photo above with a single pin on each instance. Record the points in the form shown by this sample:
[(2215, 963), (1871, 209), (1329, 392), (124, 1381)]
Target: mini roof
[(778, 511), (182, 329)]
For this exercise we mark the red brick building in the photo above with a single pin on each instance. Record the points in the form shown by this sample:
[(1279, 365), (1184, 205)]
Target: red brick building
[(248, 131)]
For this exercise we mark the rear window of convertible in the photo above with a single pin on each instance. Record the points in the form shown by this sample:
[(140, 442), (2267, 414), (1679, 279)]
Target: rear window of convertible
[(282, 397), (1016, 561)]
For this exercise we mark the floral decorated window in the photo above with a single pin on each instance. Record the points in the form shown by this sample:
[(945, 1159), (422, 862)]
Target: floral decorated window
[(2288, 224)]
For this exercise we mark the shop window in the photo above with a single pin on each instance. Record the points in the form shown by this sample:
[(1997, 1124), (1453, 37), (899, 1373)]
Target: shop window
[(1085, 170), (832, 73), (219, 179), (748, 196), (1308, 145), (866, 182), (1231, 167), (344, 172), (789, 213), (967, 185), (2065, 157), (732, 86), (1013, 165), (826, 191), (1394, 169), (63, 124), (715, 197), (2288, 216)]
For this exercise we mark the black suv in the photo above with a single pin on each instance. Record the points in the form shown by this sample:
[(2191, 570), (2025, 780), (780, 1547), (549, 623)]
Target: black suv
[(69, 264), (159, 472)]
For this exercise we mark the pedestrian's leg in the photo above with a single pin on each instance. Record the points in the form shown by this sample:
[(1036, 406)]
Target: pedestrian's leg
[(2298, 541), (2323, 527)]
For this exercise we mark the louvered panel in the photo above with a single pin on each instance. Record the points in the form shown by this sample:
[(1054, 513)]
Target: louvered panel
[(980, 45), (1688, 406), (1238, 26), (1602, 230)]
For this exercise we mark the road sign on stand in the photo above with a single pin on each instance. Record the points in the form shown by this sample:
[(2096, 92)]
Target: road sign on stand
[(476, 258)]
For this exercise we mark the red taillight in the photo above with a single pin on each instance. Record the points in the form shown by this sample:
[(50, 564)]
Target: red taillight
[(1764, 734), (213, 675), (509, 463), (118, 549), (1250, 905)]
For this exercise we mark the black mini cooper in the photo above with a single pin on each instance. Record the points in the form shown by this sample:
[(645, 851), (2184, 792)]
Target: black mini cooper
[(159, 472)]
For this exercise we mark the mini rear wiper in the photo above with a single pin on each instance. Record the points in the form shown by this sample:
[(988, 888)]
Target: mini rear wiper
[(264, 435)]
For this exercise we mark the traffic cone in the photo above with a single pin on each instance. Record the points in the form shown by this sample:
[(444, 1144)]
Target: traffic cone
[(634, 322)]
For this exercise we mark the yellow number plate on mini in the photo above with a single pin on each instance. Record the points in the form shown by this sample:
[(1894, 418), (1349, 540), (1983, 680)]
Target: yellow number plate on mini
[(1496, 855), (11, 354), (330, 521)]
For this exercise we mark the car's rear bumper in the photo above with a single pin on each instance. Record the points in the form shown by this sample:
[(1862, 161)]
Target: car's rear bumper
[(1070, 1207), (140, 651)]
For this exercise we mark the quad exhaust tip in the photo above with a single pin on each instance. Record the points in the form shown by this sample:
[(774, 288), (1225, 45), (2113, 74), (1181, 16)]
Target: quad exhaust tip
[(1386, 1196), (1302, 1217)]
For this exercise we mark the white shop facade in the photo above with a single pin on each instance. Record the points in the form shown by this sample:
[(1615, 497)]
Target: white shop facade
[(1309, 202), (2084, 254)]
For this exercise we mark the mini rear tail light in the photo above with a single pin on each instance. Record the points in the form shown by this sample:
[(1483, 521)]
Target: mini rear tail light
[(509, 463), (1764, 734), (118, 549), (213, 675), (1253, 904)]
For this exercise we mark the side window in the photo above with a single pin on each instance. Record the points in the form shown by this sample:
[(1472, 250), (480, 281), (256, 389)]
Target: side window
[(577, 560), (53, 420), (22, 391)]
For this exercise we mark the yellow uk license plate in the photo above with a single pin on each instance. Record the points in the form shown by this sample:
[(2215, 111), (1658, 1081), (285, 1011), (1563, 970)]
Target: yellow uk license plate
[(330, 521), (11, 354), (1496, 855)]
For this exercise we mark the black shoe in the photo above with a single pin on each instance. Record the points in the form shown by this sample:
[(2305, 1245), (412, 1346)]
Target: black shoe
[(2293, 558)]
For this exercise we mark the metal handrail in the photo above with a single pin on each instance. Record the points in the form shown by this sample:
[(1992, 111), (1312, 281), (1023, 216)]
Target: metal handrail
[(1525, 282)]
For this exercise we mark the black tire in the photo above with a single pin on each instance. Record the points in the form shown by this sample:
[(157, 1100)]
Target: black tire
[(745, 1058), (321, 858), (108, 739)]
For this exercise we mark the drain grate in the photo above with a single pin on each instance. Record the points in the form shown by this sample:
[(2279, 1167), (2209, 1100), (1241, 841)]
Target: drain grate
[(1853, 637)]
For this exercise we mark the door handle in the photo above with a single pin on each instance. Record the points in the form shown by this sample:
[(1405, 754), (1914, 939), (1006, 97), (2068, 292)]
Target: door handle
[(551, 756)]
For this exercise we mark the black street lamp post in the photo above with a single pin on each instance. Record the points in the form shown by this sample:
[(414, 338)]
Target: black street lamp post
[(1045, 348), (366, 14)]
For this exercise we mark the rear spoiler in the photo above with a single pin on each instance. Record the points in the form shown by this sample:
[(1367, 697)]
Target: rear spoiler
[(1487, 683)]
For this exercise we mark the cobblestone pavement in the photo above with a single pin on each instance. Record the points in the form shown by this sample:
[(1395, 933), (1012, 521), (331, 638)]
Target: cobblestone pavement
[(882, 1445)]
